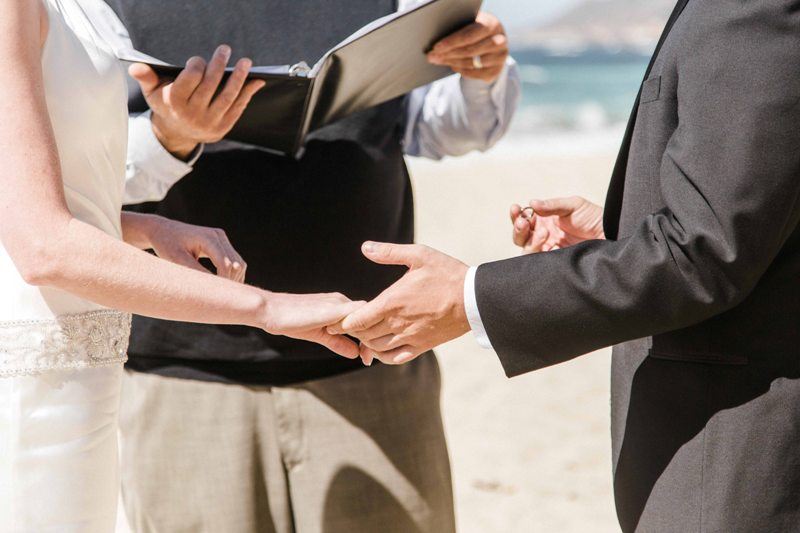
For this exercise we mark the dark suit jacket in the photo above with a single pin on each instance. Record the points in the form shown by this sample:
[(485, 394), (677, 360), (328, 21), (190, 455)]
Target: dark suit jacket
[(699, 280)]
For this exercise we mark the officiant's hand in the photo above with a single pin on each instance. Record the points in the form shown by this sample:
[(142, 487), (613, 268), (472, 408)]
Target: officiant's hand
[(556, 223), (196, 107), (424, 309), (478, 51)]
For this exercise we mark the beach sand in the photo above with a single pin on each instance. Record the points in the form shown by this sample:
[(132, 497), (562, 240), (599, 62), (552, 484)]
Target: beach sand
[(531, 454)]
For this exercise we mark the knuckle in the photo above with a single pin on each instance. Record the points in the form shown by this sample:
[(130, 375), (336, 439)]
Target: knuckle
[(225, 99)]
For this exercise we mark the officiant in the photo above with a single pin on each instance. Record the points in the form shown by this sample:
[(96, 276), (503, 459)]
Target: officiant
[(230, 429)]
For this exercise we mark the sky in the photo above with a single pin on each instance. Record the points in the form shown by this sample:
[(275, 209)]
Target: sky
[(515, 13)]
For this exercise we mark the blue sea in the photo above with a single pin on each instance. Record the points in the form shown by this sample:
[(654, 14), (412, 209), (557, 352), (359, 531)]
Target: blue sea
[(589, 94)]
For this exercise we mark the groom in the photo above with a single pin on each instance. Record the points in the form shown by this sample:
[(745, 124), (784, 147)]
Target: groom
[(698, 279), (226, 429)]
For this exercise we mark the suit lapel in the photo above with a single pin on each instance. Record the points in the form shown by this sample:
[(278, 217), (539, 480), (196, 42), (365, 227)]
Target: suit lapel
[(616, 189)]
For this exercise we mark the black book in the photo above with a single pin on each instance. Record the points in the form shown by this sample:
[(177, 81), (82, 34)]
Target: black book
[(381, 61)]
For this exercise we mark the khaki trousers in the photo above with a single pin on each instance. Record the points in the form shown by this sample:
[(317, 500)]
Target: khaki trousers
[(360, 452)]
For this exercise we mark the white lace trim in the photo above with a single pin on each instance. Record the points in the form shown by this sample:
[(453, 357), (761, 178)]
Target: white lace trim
[(98, 338)]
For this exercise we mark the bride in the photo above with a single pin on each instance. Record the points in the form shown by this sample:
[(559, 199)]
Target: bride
[(72, 268)]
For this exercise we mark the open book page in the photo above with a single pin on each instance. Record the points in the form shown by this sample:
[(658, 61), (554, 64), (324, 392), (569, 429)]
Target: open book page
[(372, 26), (131, 55)]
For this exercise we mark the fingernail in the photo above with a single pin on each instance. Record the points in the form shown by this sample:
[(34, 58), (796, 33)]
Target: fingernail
[(369, 246), (225, 50)]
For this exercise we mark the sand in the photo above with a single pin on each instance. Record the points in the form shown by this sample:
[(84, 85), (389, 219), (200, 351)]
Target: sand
[(530, 454)]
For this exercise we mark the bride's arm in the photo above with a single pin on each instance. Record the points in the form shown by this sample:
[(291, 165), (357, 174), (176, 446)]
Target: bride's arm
[(52, 248)]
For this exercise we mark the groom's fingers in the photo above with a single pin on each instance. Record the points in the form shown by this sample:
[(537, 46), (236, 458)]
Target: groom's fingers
[(522, 231), (363, 318), (380, 329), (560, 207), (538, 238), (410, 255), (385, 342)]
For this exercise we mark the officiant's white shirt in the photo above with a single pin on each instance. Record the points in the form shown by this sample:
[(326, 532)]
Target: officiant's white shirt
[(449, 117)]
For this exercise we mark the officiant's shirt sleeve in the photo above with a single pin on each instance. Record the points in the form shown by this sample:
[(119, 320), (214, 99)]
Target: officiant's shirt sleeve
[(151, 170), (456, 115), (729, 201)]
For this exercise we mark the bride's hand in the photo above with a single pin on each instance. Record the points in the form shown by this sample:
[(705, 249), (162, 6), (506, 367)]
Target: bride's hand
[(306, 317), (185, 244)]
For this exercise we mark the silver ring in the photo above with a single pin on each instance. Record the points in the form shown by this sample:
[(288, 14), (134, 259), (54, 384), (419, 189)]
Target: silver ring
[(477, 62)]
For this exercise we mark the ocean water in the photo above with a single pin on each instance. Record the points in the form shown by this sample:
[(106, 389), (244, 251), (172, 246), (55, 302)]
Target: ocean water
[(573, 105)]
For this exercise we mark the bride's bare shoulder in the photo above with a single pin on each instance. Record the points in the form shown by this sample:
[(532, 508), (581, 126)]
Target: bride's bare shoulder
[(21, 22)]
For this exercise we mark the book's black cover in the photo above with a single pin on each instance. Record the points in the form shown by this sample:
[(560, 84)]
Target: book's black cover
[(378, 63)]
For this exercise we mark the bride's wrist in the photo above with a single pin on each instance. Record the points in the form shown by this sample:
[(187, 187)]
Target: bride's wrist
[(263, 314), (138, 229)]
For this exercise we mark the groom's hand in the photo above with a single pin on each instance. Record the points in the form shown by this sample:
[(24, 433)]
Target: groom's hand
[(424, 309), (196, 107), (556, 223)]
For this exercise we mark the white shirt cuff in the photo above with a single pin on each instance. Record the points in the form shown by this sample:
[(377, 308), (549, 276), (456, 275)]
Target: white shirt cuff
[(473, 313), (481, 93), (152, 170)]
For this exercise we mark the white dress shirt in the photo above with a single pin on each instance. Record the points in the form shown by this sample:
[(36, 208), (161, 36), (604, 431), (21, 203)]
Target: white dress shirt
[(449, 117)]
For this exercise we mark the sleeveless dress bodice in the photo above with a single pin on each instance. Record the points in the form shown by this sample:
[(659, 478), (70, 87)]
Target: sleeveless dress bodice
[(84, 84)]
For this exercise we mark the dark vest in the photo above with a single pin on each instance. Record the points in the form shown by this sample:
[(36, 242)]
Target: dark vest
[(299, 224)]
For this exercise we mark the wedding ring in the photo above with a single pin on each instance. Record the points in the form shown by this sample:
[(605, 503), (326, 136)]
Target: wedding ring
[(477, 62)]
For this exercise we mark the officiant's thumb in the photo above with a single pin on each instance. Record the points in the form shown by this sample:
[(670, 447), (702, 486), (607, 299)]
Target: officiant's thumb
[(146, 76), (409, 255)]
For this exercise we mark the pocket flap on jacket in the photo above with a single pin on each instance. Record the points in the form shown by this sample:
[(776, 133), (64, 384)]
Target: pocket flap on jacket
[(651, 90)]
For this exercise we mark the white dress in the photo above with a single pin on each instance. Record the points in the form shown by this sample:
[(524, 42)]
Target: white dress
[(60, 356)]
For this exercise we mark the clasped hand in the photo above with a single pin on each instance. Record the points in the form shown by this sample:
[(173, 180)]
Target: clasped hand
[(425, 308)]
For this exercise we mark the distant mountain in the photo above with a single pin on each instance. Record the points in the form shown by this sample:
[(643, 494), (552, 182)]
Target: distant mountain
[(613, 25)]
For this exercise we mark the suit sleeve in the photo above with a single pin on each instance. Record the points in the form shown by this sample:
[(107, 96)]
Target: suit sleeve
[(730, 180)]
